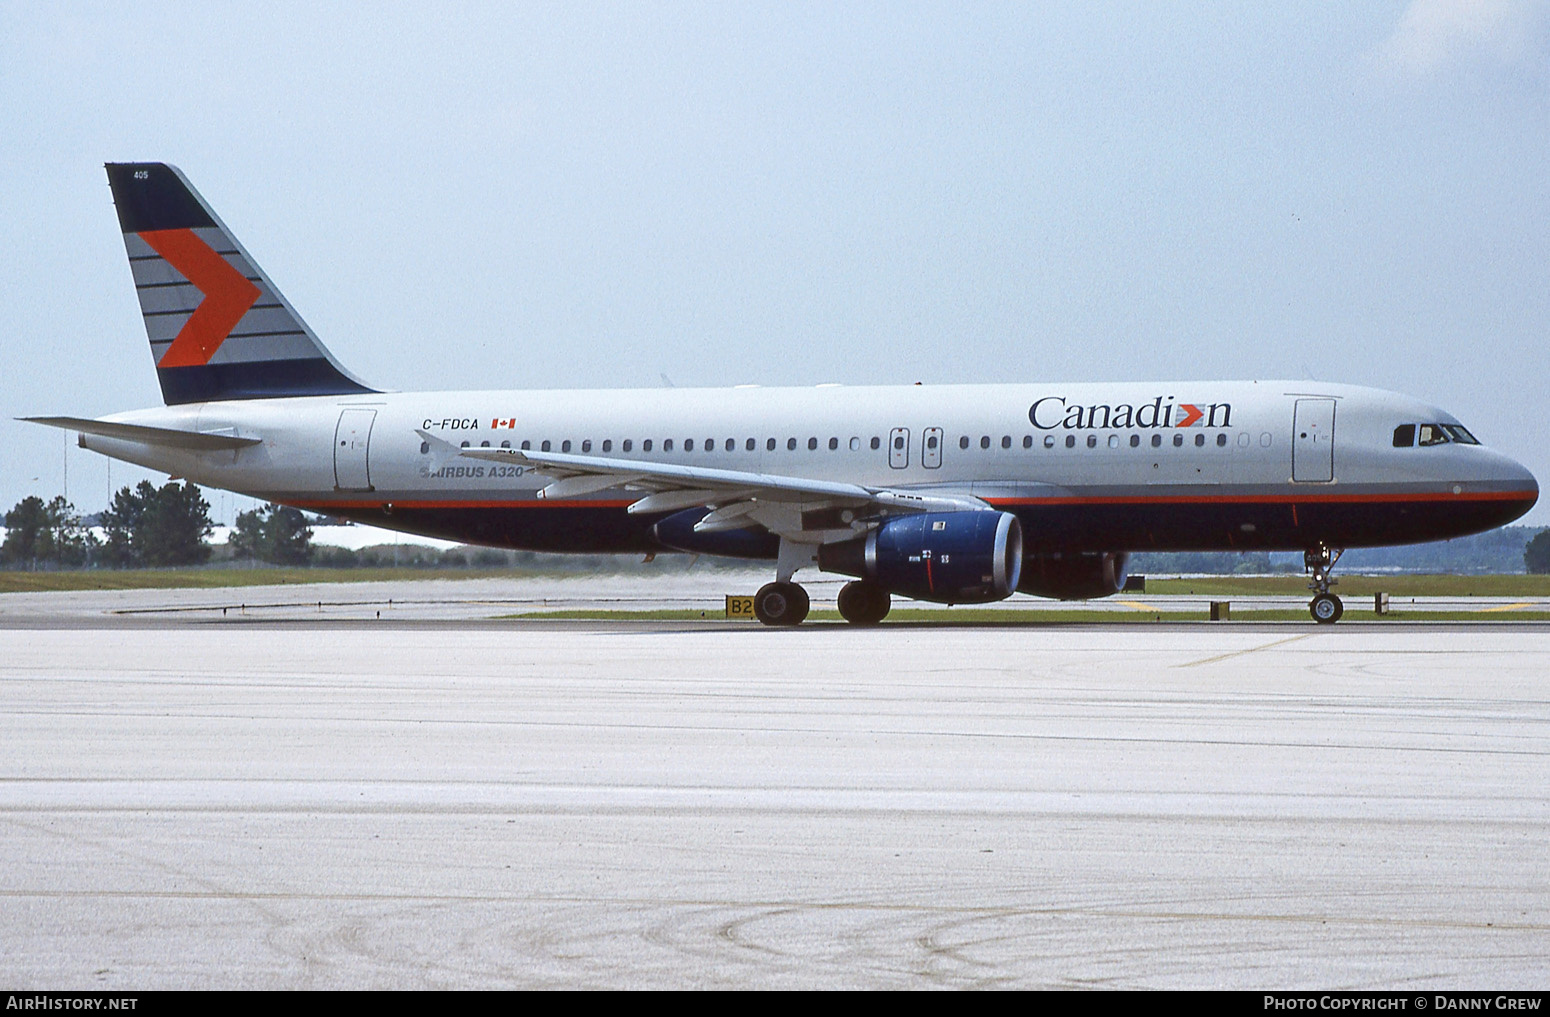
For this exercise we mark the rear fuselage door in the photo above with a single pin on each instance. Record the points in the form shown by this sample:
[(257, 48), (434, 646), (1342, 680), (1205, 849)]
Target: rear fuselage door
[(352, 447), (1313, 441), (931, 448), (899, 447)]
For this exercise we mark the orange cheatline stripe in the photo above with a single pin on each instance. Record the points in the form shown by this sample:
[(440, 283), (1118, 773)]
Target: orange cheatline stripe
[(314, 503), (1266, 499), (227, 296), (1275, 499)]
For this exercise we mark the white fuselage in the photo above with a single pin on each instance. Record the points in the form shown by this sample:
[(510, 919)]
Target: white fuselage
[(1057, 454)]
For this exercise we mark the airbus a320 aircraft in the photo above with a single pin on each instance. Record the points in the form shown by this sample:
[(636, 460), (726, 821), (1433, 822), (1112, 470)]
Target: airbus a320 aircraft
[(950, 493)]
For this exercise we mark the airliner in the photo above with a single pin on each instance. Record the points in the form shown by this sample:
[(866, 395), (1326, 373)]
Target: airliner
[(955, 494)]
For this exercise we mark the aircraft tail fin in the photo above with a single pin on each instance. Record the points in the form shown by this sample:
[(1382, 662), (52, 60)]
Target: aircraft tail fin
[(218, 327)]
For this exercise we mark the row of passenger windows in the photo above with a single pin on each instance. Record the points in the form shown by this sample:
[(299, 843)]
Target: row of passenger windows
[(1114, 441), (964, 442), (647, 445), (1406, 435)]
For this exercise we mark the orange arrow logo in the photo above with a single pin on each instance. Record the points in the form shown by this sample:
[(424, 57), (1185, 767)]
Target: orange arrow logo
[(227, 296), (1192, 415)]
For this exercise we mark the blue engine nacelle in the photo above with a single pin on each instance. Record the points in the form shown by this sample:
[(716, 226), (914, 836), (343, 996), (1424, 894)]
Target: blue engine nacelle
[(677, 532), (947, 557), (1074, 576)]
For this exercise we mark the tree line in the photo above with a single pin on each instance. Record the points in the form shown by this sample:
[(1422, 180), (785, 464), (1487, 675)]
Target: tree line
[(146, 527)]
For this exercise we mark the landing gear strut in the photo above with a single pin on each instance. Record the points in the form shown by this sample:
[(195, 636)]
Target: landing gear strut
[(780, 604), (864, 603), (1325, 607)]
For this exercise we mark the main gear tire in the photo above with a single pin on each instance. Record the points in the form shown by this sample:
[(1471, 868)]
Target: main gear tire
[(863, 603), (782, 604)]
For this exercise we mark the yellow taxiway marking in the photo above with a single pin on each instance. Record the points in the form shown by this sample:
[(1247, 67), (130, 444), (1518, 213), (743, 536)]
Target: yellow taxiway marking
[(1239, 653), (1136, 605), (1507, 607)]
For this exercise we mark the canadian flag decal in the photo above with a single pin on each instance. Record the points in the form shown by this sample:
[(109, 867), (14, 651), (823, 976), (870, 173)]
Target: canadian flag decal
[(498, 424), (227, 296)]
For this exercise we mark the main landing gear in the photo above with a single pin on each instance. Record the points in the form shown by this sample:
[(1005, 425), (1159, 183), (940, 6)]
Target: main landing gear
[(1325, 607), (780, 603), (860, 603), (864, 603), (785, 603)]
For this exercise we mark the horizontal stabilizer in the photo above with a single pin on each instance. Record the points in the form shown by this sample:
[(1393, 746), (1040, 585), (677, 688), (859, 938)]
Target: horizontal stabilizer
[(166, 436)]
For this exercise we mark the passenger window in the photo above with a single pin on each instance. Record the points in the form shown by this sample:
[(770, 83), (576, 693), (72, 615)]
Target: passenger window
[(751, 445), (1006, 441), (1404, 436), (834, 444), (710, 444), (1135, 441), (505, 444), (877, 443), (463, 445), (688, 444), (1113, 441), (1027, 441), (1049, 441), (1157, 441), (645, 446), (812, 444), (1264, 439), (769, 445), (931, 441), (732, 444), (1200, 441), (1221, 440), (545, 446), (629, 443), (963, 442), (1178, 441), (586, 444), (527, 446), (898, 442), (855, 444), (791, 444), (425, 448), (1070, 441), (608, 444), (484, 444), (565, 445), (1092, 441), (984, 441), (1243, 440), (667, 444)]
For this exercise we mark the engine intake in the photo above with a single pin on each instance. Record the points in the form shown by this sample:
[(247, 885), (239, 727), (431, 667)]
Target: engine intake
[(945, 557)]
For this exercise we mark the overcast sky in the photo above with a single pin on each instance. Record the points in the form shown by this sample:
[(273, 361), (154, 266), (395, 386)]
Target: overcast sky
[(570, 195)]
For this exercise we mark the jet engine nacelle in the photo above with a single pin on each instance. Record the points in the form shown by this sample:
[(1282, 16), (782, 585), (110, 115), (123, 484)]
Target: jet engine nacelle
[(948, 557), (1074, 576), (677, 532)]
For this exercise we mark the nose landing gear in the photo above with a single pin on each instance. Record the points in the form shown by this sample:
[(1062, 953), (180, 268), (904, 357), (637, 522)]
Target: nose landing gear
[(1325, 607)]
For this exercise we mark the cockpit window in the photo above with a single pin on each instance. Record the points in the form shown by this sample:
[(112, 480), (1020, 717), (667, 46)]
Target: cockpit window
[(1435, 434), (1404, 436)]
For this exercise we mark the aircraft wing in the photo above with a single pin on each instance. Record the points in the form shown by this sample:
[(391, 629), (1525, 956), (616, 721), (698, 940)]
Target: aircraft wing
[(783, 504)]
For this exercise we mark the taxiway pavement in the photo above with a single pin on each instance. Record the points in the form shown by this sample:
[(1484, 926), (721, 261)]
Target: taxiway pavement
[(670, 805)]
